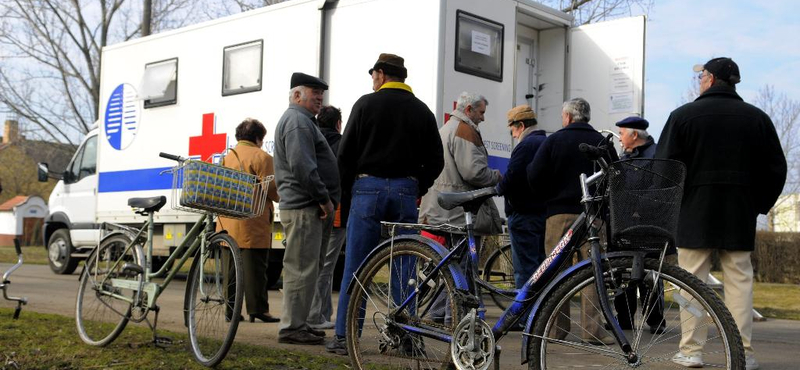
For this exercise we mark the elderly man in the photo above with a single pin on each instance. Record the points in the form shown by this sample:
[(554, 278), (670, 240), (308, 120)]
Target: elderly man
[(554, 174), (731, 178), (389, 155), (636, 142), (466, 162), (308, 185), (525, 209)]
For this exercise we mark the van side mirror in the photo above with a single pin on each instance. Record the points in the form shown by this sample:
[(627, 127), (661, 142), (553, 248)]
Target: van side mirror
[(43, 172), (43, 169)]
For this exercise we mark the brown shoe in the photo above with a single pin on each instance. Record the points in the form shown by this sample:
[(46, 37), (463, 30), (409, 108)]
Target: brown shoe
[(300, 337)]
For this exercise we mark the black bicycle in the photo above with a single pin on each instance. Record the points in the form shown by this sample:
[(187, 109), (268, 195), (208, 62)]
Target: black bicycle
[(413, 306)]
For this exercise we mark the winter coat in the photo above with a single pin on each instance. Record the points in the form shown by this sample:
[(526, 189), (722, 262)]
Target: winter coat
[(735, 168), (466, 167), (514, 187), (254, 232)]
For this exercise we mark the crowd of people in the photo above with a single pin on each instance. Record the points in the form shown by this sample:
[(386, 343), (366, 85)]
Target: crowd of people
[(334, 186)]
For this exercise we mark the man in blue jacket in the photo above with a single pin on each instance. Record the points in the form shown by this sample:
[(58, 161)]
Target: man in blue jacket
[(554, 175), (524, 209)]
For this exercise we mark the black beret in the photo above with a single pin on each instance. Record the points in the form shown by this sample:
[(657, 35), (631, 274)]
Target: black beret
[(302, 79), (634, 122)]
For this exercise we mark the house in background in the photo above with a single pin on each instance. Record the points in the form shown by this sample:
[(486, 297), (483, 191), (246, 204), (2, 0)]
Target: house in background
[(22, 217), (786, 214)]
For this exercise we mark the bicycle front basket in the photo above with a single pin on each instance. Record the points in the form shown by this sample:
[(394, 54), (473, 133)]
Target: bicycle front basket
[(645, 202), (204, 187)]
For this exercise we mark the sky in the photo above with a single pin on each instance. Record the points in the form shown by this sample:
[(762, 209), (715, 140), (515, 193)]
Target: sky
[(762, 37)]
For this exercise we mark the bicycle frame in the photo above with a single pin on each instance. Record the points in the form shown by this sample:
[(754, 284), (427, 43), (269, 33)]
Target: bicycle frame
[(194, 239), (529, 297)]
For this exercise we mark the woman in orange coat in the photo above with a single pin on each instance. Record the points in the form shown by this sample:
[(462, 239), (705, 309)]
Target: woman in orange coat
[(254, 235)]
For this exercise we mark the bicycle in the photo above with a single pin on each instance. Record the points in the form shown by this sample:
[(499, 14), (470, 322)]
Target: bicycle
[(21, 301), (393, 321), (116, 284)]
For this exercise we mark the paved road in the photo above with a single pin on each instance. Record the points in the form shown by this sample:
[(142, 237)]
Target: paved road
[(777, 341)]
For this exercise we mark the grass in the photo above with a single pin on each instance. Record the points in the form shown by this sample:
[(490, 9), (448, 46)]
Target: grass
[(45, 341), (34, 255)]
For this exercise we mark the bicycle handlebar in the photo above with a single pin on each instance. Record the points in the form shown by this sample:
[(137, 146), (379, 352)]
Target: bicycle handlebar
[(16, 247), (171, 156)]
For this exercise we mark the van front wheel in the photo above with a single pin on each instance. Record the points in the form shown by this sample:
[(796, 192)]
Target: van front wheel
[(59, 251)]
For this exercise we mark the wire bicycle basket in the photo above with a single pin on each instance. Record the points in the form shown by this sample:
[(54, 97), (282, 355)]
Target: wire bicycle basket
[(202, 187), (645, 202)]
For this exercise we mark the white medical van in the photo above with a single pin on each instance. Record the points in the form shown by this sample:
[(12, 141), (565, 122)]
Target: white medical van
[(184, 91)]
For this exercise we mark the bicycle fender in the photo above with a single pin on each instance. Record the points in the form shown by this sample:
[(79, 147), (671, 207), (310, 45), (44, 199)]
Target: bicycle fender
[(458, 276), (526, 334)]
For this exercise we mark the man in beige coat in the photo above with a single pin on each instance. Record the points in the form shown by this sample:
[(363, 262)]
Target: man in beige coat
[(254, 235)]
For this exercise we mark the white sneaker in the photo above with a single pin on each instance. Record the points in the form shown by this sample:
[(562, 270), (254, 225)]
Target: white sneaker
[(750, 362), (688, 360), (323, 325)]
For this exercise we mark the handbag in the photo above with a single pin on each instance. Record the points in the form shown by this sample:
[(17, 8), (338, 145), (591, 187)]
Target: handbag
[(488, 221)]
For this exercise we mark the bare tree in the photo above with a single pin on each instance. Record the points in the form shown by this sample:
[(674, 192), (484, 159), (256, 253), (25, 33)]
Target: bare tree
[(591, 11), (50, 57)]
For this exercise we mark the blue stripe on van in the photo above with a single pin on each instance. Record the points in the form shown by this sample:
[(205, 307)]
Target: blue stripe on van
[(498, 163), (133, 180)]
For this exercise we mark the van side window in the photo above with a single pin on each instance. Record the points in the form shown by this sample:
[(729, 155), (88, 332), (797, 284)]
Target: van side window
[(159, 86), (72, 174), (89, 160), (241, 67), (479, 46)]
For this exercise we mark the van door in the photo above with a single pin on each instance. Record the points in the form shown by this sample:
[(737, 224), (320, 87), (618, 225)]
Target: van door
[(606, 67), (526, 81), (80, 194)]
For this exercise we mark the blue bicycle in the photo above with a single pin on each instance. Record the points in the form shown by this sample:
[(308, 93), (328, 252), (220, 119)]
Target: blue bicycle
[(416, 305)]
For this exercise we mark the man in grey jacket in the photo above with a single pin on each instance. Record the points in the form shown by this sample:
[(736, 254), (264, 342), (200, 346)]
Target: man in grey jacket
[(308, 183), (466, 161)]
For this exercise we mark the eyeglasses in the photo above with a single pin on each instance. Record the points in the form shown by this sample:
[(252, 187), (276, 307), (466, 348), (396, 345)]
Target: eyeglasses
[(700, 75)]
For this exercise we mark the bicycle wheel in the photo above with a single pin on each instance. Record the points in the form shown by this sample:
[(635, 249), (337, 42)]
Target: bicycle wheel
[(499, 272), (690, 308), (102, 310), (214, 299), (387, 279)]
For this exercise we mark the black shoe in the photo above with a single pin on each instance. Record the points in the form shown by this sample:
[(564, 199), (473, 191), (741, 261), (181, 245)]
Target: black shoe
[(316, 332), (265, 317), (300, 337), (337, 345)]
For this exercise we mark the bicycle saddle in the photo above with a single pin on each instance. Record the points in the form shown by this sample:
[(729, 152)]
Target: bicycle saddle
[(149, 205), (470, 200)]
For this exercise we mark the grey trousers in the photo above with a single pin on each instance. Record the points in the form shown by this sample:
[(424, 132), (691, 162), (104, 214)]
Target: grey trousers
[(321, 306), (306, 245)]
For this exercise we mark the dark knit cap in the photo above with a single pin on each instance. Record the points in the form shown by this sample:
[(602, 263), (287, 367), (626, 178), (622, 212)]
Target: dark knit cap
[(722, 68)]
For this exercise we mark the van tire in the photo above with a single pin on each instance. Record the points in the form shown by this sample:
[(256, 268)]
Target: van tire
[(59, 253)]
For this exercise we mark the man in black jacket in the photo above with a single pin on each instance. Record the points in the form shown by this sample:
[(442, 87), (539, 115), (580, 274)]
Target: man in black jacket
[(554, 175), (389, 156), (735, 170)]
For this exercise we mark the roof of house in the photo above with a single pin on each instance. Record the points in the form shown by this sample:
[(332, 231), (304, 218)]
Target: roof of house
[(56, 155), (13, 202)]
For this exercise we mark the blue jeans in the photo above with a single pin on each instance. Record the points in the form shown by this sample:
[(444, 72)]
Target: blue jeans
[(527, 244), (374, 200)]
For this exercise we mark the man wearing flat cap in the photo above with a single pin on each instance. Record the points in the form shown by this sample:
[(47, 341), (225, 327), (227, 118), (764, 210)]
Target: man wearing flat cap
[(525, 209), (389, 155), (636, 142), (308, 184), (735, 170)]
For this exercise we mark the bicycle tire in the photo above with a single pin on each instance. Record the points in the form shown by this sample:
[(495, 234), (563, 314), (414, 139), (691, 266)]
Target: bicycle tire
[(499, 272), (212, 318), (371, 299), (100, 318), (683, 292)]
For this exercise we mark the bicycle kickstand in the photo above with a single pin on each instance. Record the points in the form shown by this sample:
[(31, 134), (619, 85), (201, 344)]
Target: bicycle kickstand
[(160, 342)]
